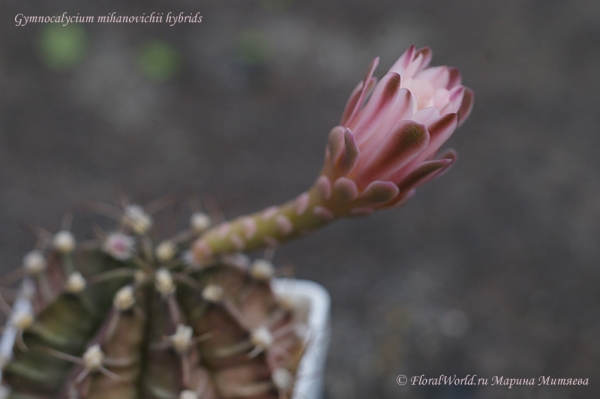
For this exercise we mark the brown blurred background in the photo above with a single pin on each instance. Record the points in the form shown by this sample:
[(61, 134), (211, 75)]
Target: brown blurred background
[(492, 270)]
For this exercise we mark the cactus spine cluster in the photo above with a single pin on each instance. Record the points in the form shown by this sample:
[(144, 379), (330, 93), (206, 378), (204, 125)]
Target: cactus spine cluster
[(127, 316)]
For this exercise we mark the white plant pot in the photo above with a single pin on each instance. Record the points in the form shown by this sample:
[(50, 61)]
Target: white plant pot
[(22, 304), (307, 294), (9, 335), (309, 381)]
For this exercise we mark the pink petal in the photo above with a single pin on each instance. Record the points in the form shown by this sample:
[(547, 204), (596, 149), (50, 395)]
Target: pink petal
[(422, 92), (401, 109), (426, 115), (237, 242), (402, 144), (381, 100), (346, 189), (224, 230), (456, 97), (352, 103), (466, 106), (454, 79), (201, 250), (323, 213), (427, 171), (348, 157), (413, 67), (324, 187), (450, 154), (433, 176), (301, 203), (437, 76), (249, 227), (426, 53), (420, 60), (378, 192), (335, 141), (405, 59), (365, 85), (441, 98), (439, 132), (401, 199), (269, 212), (284, 225)]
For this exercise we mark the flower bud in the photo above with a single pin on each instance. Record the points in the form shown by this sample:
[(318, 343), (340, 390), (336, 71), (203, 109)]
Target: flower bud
[(389, 134)]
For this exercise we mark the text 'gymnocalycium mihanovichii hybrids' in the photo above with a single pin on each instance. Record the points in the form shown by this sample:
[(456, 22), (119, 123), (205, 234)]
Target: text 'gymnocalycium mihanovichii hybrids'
[(129, 315)]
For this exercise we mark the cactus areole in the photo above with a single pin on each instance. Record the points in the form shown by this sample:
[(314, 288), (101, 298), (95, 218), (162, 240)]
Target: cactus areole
[(133, 316)]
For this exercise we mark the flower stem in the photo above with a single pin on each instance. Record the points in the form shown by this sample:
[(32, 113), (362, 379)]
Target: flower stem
[(265, 228)]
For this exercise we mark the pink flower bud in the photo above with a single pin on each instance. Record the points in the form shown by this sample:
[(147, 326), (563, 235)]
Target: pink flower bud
[(390, 132)]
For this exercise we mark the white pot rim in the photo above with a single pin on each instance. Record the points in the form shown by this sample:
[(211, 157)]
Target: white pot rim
[(309, 380)]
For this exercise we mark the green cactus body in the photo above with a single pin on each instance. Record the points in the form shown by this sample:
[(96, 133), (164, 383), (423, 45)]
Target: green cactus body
[(135, 321)]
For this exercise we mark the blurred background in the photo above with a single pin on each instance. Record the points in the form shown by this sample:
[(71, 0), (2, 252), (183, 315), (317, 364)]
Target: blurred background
[(492, 270)]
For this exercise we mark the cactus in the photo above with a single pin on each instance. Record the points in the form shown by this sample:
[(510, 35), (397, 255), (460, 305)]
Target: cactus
[(125, 316), (132, 316)]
